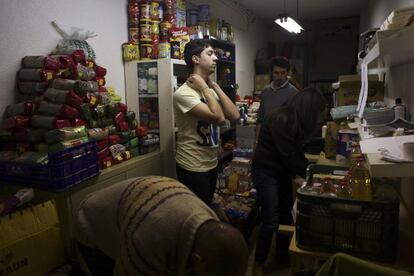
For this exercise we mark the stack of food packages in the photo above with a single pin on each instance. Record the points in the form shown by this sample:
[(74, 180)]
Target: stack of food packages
[(156, 30), (63, 102), (236, 196)]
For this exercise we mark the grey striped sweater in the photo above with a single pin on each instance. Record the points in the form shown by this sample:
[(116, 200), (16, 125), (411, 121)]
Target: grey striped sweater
[(147, 224)]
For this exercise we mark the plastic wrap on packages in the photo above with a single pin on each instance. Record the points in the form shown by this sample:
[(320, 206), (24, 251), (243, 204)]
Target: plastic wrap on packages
[(85, 73), (69, 133), (30, 88), (74, 38), (82, 87), (43, 62), (18, 121), (98, 133), (37, 135), (23, 108), (57, 96), (33, 74), (50, 109)]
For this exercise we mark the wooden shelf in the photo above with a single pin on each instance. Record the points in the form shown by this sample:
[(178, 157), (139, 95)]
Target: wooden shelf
[(392, 47)]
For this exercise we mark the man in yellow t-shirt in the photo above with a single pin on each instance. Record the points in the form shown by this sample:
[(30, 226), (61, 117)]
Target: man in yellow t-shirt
[(200, 107)]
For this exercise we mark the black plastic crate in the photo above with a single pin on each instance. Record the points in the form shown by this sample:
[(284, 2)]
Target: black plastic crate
[(64, 169), (367, 229)]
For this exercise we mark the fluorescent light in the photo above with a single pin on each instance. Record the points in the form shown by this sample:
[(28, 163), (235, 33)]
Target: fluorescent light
[(289, 24)]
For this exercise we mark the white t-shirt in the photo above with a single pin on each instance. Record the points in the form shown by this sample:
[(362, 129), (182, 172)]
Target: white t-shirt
[(197, 141)]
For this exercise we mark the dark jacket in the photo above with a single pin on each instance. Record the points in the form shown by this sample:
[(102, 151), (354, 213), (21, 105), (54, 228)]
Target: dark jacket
[(280, 146)]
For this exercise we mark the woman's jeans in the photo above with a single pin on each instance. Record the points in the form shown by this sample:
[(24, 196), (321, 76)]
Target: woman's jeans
[(275, 200)]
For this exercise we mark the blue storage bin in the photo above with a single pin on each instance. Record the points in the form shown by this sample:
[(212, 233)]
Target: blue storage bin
[(65, 169)]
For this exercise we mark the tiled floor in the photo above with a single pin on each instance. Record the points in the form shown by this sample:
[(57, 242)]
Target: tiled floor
[(405, 252)]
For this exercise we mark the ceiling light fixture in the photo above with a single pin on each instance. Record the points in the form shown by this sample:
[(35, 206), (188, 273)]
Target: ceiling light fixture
[(288, 23)]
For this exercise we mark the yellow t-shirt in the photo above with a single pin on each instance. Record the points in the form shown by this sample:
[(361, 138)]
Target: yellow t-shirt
[(197, 141)]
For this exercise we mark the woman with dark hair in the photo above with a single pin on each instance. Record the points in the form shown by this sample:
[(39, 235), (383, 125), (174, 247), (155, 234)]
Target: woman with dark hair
[(277, 160)]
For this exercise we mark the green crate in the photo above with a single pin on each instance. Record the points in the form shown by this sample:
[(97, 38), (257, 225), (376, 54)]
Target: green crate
[(367, 229)]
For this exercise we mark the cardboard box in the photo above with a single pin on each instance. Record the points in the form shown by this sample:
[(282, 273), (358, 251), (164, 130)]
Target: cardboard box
[(30, 241), (350, 87), (261, 81)]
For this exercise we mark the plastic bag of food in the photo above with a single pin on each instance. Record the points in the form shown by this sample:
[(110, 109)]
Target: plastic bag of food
[(43, 62), (32, 88), (37, 135), (34, 74), (81, 87), (24, 108), (8, 155), (123, 126), (19, 121), (61, 123), (50, 109), (74, 38), (102, 144), (85, 73), (85, 111), (41, 121), (63, 84), (76, 122), (98, 133), (20, 135), (117, 150), (67, 133), (70, 112), (56, 96), (74, 99), (100, 71)]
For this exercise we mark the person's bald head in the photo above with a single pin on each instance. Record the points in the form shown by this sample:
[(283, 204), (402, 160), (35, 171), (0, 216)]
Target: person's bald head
[(220, 250)]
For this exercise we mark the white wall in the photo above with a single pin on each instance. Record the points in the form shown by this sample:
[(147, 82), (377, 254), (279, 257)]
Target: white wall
[(399, 79), (26, 30)]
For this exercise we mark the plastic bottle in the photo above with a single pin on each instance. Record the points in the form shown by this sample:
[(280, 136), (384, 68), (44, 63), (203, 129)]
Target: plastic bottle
[(233, 180), (354, 155), (344, 190), (400, 110), (361, 181)]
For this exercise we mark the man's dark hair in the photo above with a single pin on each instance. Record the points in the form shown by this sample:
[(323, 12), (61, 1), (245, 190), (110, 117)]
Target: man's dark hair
[(194, 47), (279, 61)]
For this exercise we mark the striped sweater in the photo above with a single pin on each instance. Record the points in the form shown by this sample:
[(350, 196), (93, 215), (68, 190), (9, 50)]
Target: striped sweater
[(147, 225)]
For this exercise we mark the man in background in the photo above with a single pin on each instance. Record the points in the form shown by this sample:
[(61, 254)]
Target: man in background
[(278, 92)]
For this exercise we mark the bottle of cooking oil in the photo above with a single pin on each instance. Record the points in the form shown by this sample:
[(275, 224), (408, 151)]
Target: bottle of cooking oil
[(344, 190), (233, 183), (361, 181), (355, 154)]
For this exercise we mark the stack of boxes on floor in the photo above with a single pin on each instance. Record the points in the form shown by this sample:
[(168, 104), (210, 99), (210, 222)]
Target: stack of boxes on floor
[(236, 197), (63, 102)]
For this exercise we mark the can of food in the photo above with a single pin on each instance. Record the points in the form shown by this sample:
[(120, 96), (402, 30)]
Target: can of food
[(175, 50), (154, 10), (133, 35), (145, 11), (145, 34), (165, 27), (133, 13), (164, 50), (146, 51), (155, 27), (130, 51)]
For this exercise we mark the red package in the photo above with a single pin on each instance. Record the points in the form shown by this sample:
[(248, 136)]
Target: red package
[(141, 131), (100, 71), (100, 80), (78, 122), (79, 57), (61, 123), (126, 155), (102, 144), (119, 117), (106, 163), (102, 154), (23, 147), (90, 63), (74, 99), (70, 112), (123, 107), (20, 135), (123, 126), (66, 61), (51, 64), (18, 121), (92, 100), (117, 159), (102, 89), (114, 139)]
